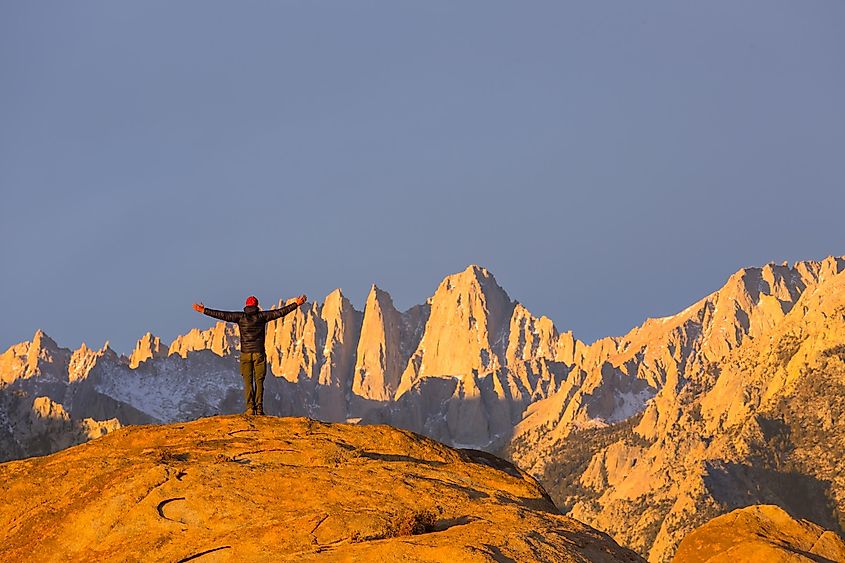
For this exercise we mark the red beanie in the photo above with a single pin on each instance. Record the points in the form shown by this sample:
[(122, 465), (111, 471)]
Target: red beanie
[(251, 301)]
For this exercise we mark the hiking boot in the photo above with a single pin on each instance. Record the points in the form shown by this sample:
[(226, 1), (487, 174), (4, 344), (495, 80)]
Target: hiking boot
[(249, 412), (259, 412)]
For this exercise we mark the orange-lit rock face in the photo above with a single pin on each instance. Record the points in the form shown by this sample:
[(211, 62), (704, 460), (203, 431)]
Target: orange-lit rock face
[(754, 385), (39, 358), (270, 489), (466, 329), (760, 533), (380, 357), (148, 347), (221, 339)]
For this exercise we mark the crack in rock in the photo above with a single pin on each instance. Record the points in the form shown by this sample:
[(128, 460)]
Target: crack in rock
[(319, 523), (201, 553), (236, 456), (162, 504), (233, 432)]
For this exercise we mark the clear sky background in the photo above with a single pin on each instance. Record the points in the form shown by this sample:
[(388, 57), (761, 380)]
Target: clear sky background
[(607, 160)]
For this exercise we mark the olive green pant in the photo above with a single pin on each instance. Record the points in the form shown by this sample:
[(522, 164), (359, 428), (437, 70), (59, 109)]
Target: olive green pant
[(253, 370)]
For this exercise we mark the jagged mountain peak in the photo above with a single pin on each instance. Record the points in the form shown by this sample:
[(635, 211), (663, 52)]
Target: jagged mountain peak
[(466, 331), (222, 339), (40, 340), (81, 362), (40, 357), (379, 294), (149, 337), (477, 271), (782, 280), (830, 266), (148, 347), (336, 293), (474, 276), (337, 300), (379, 298), (458, 289)]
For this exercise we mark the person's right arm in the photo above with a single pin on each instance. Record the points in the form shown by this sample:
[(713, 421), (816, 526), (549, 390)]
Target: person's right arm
[(228, 316)]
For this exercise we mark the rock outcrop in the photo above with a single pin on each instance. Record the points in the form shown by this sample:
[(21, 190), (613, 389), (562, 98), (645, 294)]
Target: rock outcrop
[(760, 533), (268, 489), (39, 426)]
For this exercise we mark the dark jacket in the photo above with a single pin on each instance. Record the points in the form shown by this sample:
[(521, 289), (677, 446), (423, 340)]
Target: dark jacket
[(251, 323)]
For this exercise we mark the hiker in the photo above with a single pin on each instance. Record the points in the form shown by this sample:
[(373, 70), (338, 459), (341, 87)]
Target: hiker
[(251, 324)]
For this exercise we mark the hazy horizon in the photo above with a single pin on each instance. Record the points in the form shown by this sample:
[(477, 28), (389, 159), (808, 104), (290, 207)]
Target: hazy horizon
[(606, 162)]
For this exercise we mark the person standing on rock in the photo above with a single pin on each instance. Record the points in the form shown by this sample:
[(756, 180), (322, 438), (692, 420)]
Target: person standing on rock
[(252, 324)]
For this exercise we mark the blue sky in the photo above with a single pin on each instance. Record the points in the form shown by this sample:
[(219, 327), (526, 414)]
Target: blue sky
[(607, 161)]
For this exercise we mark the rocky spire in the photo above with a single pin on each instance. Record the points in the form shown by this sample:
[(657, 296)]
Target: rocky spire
[(343, 327), (222, 339), (380, 361), (148, 347)]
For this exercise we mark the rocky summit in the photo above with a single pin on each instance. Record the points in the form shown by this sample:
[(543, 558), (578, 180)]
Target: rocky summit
[(236, 488), (760, 533)]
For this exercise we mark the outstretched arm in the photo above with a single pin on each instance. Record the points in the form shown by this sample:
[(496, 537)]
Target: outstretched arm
[(228, 316), (274, 314)]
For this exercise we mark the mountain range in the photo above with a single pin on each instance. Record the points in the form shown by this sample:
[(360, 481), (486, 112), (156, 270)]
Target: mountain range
[(735, 401)]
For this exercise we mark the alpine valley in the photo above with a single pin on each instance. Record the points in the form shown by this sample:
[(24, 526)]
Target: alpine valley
[(736, 401)]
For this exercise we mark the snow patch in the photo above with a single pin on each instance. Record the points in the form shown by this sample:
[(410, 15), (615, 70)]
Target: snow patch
[(172, 391), (629, 404)]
